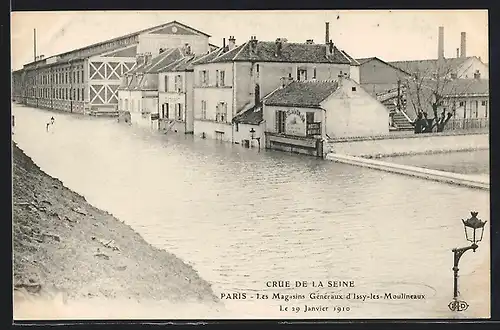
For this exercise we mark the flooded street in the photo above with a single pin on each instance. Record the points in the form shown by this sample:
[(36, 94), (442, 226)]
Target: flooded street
[(243, 217)]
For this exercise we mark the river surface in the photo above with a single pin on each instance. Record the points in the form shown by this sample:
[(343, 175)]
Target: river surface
[(243, 217)]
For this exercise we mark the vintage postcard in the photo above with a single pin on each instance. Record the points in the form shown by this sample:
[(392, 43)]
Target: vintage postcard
[(250, 165)]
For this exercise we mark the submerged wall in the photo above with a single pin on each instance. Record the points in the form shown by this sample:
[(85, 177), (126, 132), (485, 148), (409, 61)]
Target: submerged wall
[(398, 145)]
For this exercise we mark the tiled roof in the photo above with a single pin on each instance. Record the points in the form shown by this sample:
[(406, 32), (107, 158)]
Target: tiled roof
[(365, 59), (207, 58), (303, 93), (461, 87), (429, 66), (161, 60), (290, 53), (182, 64), (352, 59), (252, 116)]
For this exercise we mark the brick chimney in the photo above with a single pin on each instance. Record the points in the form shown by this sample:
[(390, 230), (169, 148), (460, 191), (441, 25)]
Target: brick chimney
[(253, 45), (329, 48), (148, 57), (327, 32), (224, 43), (279, 47), (140, 59), (231, 43), (463, 45)]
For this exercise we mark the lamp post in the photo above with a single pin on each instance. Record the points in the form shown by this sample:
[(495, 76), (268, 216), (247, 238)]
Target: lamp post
[(252, 136), (474, 229)]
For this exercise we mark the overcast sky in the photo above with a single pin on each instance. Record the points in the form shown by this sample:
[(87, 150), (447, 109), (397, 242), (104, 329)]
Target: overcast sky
[(390, 35)]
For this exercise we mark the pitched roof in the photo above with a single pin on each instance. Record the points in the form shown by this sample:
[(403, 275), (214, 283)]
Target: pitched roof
[(430, 66), (131, 35), (462, 87), (207, 58), (352, 59), (252, 116), (290, 53), (167, 57), (303, 93), (365, 60), (183, 64)]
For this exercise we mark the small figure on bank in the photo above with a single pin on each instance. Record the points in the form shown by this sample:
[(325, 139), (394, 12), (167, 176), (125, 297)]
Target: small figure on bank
[(50, 123)]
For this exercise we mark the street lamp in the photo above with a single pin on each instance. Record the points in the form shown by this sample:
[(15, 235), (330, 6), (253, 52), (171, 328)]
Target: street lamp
[(252, 136), (474, 229)]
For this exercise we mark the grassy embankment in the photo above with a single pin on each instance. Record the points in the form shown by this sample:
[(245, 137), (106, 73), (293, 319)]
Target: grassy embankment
[(64, 245)]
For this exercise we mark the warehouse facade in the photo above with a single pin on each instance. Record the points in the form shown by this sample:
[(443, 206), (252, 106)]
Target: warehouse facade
[(86, 80)]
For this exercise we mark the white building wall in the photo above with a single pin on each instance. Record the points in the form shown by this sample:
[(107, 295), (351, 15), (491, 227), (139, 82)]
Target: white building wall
[(242, 132), (352, 113)]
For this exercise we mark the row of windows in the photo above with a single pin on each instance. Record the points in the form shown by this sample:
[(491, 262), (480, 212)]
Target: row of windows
[(177, 108), (176, 87), (75, 94), (471, 109), (220, 78), (220, 112), (58, 78)]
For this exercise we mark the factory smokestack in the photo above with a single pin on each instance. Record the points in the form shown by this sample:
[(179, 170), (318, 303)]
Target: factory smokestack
[(34, 44), (327, 33), (462, 45), (441, 43)]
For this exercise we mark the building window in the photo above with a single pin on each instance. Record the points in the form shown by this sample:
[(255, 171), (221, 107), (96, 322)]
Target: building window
[(178, 111), (216, 78), (66, 78), (353, 88), (164, 110), (83, 94), (301, 74), (166, 83), (78, 76), (222, 78), (258, 68), (483, 103), (178, 83), (221, 112), (203, 109), (280, 121), (237, 127), (310, 117), (486, 109), (314, 73), (462, 103), (204, 78)]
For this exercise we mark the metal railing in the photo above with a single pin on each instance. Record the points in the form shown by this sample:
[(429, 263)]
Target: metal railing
[(467, 124)]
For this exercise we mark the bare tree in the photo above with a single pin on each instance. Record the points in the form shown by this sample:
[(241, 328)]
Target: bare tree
[(427, 89)]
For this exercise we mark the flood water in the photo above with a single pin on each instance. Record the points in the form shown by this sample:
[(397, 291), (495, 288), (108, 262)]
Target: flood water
[(243, 217)]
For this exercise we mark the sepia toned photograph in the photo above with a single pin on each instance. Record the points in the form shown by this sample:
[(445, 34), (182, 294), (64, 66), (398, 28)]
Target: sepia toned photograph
[(329, 164)]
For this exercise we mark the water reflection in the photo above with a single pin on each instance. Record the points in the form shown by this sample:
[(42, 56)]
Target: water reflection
[(244, 217)]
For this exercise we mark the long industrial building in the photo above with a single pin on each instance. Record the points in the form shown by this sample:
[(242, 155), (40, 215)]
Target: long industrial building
[(86, 80)]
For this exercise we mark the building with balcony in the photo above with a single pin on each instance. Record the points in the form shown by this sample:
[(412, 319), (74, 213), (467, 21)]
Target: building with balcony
[(86, 80)]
